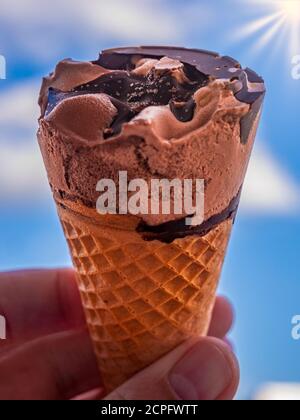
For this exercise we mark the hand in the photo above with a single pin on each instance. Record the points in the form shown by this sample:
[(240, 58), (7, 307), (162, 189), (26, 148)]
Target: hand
[(48, 353)]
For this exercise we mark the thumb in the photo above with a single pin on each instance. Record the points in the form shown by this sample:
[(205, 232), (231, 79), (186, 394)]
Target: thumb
[(202, 369)]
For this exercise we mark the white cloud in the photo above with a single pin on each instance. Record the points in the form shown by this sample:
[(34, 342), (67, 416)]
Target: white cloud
[(19, 108), (22, 174), (134, 19), (48, 29), (268, 187)]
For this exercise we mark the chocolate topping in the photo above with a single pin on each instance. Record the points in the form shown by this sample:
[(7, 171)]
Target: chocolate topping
[(131, 92), (205, 62), (248, 120), (168, 232), (208, 63), (183, 111)]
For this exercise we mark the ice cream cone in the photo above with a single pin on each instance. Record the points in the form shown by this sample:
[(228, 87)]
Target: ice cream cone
[(141, 298), (147, 282)]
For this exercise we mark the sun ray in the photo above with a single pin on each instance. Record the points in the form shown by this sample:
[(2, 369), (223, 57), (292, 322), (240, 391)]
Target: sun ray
[(279, 43), (259, 45), (290, 9), (270, 34), (256, 25), (294, 46), (280, 18)]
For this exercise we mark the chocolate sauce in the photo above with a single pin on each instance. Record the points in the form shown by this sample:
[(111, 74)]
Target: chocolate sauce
[(208, 63), (169, 231), (131, 93)]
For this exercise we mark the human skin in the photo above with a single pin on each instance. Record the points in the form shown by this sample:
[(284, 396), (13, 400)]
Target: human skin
[(48, 354)]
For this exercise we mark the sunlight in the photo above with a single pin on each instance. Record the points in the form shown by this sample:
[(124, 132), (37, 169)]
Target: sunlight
[(258, 24), (291, 9), (269, 34), (278, 18)]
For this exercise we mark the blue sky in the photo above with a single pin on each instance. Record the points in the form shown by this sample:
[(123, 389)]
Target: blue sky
[(261, 273)]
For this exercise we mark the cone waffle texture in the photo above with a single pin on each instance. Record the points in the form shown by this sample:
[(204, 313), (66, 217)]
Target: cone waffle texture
[(141, 298)]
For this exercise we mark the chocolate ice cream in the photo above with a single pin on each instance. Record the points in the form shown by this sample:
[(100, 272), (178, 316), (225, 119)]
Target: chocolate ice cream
[(155, 112)]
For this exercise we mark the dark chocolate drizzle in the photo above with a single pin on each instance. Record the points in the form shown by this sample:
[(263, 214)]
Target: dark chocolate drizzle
[(248, 120), (169, 231), (131, 93), (208, 63)]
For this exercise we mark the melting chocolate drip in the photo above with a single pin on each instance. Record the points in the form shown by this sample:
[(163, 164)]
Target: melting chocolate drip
[(207, 63), (169, 231), (131, 94), (124, 114), (183, 111)]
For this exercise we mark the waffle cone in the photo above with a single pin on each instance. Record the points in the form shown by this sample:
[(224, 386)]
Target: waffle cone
[(141, 299)]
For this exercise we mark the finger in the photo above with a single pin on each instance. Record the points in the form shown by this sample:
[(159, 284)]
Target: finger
[(229, 343), (93, 395), (222, 318), (55, 367), (202, 369), (39, 302)]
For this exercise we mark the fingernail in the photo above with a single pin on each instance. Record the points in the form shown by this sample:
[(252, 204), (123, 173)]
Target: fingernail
[(203, 373)]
